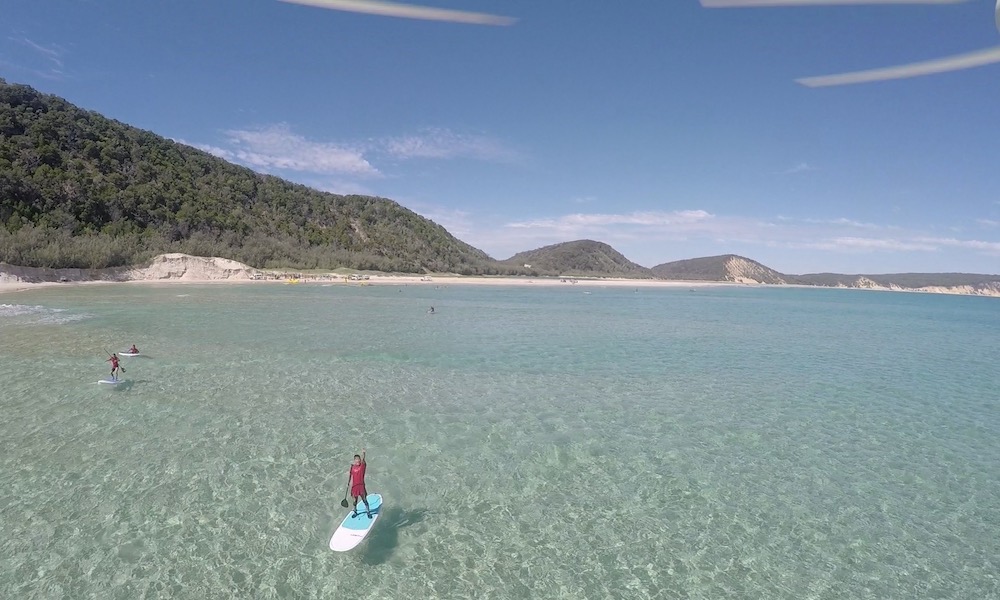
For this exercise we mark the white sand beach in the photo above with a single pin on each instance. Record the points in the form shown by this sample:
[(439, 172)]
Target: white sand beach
[(533, 281), (178, 268), (183, 268)]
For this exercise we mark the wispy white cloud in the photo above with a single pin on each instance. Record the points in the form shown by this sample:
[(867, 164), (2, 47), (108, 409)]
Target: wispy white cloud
[(340, 167), (52, 52), (276, 147), (838, 221), (871, 244), (332, 185), (446, 144), (980, 245), (581, 221), (858, 224), (802, 167), (914, 242), (988, 222), (407, 11), (42, 60)]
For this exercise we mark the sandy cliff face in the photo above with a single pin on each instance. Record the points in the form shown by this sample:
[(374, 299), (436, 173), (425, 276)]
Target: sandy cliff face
[(983, 289), (742, 270), (192, 268)]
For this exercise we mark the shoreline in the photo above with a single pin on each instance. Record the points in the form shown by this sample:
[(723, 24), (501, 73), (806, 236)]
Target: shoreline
[(176, 268), (13, 287), (386, 280)]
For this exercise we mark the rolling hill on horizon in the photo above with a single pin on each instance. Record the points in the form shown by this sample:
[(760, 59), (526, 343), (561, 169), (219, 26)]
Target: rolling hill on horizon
[(726, 267), (579, 258)]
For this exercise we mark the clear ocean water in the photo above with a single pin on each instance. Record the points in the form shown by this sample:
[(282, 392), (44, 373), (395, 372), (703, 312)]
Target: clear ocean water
[(529, 442)]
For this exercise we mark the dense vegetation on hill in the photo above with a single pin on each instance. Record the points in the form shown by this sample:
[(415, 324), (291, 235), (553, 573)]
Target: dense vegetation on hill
[(581, 258), (80, 190)]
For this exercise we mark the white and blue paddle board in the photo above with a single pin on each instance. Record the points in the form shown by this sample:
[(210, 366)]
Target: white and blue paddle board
[(352, 530), (110, 381)]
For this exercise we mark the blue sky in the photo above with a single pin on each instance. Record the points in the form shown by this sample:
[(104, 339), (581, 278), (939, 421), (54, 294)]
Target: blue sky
[(663, 128)]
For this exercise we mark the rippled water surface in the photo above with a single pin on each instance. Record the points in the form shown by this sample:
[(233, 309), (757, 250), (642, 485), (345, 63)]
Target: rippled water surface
[(529, 443)]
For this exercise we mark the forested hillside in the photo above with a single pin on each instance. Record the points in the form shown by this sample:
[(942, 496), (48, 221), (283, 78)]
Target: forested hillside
[(80, 190), (579, 257)]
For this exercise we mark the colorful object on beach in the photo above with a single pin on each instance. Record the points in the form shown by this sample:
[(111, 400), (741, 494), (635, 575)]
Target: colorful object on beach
[(353, 529)]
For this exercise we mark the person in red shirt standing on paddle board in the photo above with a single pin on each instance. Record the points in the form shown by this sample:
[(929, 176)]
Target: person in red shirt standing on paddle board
[(356, 479), (114, 366)]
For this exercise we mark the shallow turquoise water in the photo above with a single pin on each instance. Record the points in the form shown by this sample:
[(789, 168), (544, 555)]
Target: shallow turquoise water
[(529, 443)]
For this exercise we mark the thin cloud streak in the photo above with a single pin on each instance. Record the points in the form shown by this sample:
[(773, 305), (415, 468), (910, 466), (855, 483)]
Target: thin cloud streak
[(580, 220), (941, 65), (53, 54), (983, 246), (50, 55), (870, 244), (447, 144), (407, 11), (840, 221), (276, 147), (802, 167)]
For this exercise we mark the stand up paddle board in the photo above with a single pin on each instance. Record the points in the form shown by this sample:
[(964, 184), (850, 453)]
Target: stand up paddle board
[(352, 530), (128, 354), (110, 381)]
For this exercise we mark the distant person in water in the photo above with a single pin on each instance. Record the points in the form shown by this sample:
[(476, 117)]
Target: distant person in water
[(114, 366), (356, 478), (133, 350), (431, 310)]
